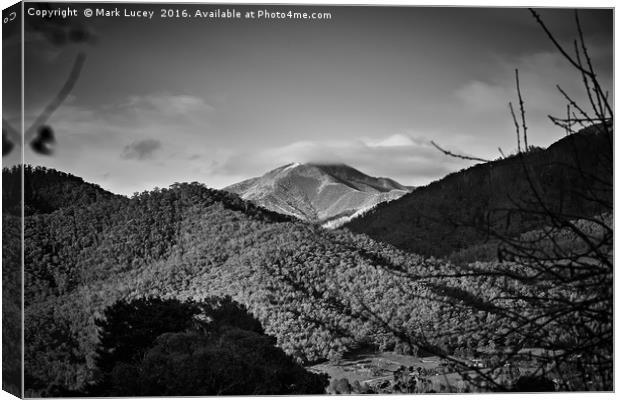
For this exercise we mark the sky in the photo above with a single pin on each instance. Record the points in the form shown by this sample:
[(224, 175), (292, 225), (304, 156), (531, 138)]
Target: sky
[(160, 101)]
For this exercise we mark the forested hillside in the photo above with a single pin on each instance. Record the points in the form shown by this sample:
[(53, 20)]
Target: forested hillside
[(187, 241), (319, 293), (47, 190), (11, 304), (499, 198)]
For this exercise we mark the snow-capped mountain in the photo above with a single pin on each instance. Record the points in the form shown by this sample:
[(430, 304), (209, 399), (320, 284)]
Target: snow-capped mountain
[(322, 193)]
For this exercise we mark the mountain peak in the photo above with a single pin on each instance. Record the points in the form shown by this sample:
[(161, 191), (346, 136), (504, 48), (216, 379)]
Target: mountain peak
[(318, 192), (318, 165), (329, 165)]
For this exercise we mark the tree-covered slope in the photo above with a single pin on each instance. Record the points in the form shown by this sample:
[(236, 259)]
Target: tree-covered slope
[(47, 190), (505, 197), (11, 304), (190, 241), (186, 241)]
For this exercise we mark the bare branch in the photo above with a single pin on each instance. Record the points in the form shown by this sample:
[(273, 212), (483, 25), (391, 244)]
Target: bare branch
[(451, 154), (600, 97), (522, 108), (555, 42), (514, 119)]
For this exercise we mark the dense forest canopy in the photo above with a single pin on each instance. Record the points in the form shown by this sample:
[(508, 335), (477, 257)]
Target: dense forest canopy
[(157, 347), (47, 190)]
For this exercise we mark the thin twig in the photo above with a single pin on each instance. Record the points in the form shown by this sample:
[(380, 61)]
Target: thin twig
[(514, 119), (449, 153), (522, 108), (601, 110), (568, 120), (555, 42)]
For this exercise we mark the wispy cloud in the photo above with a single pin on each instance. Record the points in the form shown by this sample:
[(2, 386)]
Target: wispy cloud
[(539, 74), (141, 150), (411, 160), (159, 131), (168, 105)]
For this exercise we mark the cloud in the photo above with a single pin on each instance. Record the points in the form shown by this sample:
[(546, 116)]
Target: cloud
[(158, 130), (396, 140), (141, 150), (481, 97), (169, 105), (408, 159), (105, 130), (480, 105), (539, 73)]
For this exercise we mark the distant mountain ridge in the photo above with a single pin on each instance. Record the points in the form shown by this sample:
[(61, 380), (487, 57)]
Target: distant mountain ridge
[(322, 193)]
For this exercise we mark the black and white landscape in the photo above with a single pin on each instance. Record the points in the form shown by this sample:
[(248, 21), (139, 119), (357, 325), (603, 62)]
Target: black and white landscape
[(368, 203)]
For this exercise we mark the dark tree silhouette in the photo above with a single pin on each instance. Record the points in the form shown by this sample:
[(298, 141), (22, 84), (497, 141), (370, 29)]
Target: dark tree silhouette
[(129, 329), (158, 347)]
